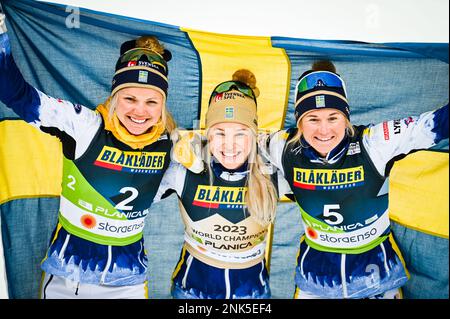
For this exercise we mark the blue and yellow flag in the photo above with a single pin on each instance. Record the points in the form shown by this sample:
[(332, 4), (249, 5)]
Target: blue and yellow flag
[(76, 63)]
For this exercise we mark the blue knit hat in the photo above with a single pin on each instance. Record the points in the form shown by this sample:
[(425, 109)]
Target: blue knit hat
[(318, 88), (142, 63)]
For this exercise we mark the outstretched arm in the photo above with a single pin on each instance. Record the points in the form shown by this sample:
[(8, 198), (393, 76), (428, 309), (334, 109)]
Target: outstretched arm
[(2, 21), (172, 182), (271, 147), (391, 140), (15, 92), (74, 124)]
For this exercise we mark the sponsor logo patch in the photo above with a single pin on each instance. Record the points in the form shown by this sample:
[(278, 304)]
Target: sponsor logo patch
[(220, 197), (88, 221), (354, 148), (320, 101), (328, 179), (143, 76), (408, 121), (218, 97), (133, 162), (397, 126), (77, 108), (386, 130), (229, 112)]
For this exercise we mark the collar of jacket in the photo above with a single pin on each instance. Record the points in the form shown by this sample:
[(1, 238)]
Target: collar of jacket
[(121, 133)]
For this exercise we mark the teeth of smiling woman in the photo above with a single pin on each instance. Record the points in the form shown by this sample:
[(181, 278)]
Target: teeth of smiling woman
[(324, 140), (230, 154), (137, 121)]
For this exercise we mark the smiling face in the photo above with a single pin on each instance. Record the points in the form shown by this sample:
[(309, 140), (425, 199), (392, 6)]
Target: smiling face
[(138, 109), (230, 143), (323, 129)]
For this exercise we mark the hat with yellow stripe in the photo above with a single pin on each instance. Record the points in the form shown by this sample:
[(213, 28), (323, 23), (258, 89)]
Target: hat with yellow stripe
[(318, 88), (234, 101), (142, 63)]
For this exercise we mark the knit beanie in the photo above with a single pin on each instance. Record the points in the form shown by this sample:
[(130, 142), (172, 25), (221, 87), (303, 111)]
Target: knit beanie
[(318, 88), (142, 63), (234, 101)]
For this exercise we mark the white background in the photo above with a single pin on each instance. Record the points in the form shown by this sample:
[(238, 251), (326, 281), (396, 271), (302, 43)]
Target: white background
[(361, 20)]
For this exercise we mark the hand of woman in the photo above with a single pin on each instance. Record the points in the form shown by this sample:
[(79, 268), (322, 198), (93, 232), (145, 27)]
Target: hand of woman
[(188, 152)]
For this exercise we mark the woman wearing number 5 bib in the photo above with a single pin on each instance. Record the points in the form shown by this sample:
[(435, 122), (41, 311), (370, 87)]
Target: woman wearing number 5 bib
[(228, 206), (114, 159), (337, 174)]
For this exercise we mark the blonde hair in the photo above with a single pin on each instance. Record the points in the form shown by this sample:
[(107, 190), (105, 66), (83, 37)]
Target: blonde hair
[(296, 138), (166, 117), (261, 196)]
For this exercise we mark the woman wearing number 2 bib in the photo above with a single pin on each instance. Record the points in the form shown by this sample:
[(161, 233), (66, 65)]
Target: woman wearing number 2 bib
[(228, 206), (114, 160), (337, 173)]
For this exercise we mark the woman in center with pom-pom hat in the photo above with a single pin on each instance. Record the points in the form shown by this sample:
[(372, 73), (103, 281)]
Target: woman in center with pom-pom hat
[(228, 207), (114, 160)]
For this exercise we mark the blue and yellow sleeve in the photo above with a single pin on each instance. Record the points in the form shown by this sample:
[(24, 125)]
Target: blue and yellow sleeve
[(15, 92)]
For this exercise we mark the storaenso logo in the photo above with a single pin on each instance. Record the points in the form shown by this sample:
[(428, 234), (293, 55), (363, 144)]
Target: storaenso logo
[(348, 239), (120, 229)]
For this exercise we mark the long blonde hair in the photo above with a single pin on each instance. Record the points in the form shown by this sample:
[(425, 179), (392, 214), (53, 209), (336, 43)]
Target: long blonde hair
[(166, 117), (261, 196)]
